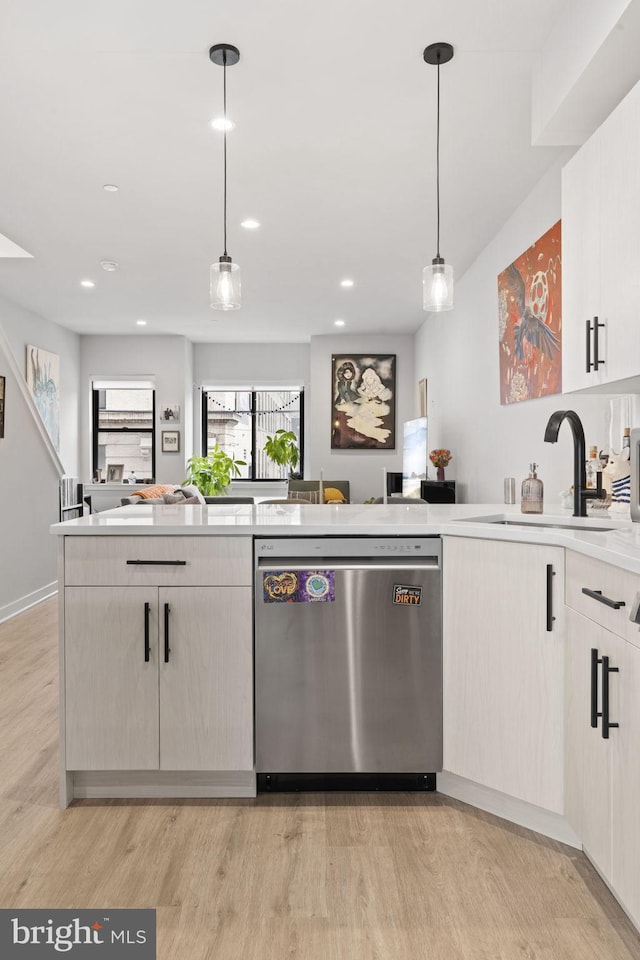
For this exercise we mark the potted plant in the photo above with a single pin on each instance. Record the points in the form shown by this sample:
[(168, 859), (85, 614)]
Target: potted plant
[(213, 474), (282, 448)]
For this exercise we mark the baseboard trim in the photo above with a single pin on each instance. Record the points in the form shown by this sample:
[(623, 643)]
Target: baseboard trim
[(549, 824), (29, 600), (130, 784)]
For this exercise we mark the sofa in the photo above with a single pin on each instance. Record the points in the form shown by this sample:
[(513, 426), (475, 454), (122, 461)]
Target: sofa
[(172, 493)]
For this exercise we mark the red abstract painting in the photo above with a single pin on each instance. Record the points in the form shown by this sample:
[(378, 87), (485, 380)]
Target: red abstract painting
[(530, 321)]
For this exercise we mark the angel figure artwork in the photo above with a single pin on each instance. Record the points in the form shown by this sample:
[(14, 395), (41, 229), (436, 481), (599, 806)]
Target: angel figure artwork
[(363, 402), (530, 322)]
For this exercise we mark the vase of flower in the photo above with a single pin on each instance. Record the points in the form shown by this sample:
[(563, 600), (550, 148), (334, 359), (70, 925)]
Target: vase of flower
[(440, 459)]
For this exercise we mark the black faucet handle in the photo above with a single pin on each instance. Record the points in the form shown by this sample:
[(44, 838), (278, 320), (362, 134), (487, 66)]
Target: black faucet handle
[(599, 493)]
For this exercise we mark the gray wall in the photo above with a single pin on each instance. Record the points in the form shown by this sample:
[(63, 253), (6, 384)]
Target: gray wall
[(28, 474), (165, 360), (458, 354)]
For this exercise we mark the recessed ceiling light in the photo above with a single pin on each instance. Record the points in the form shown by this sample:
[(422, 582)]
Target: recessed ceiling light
[(141, 323), (109, 265), (250, 224), (346, 283), (339, 323), (87, 283), (222, 123), (111, 187)]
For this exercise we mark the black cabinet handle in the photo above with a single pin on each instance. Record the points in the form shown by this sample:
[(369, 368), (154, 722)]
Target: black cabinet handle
[(596, 361), (606, 723), (157, 563), (167, 648), (147, 644), (594, 687), (550, 616), (597, 595), (588, 331)]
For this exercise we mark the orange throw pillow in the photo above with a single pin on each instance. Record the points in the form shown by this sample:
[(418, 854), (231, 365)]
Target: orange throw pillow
[(155, 492)]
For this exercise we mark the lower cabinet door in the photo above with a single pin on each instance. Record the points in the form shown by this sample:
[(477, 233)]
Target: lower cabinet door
[(588, 756), (503, 667), (206, 678), (625, 869), (111, 681)]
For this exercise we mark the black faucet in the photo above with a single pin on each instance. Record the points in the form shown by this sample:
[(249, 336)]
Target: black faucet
[(580, 492)]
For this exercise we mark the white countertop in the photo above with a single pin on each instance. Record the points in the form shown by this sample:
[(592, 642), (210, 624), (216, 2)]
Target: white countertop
[(619, 546)]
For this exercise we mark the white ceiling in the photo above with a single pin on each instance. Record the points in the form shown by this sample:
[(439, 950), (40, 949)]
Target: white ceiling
[(334, 153)]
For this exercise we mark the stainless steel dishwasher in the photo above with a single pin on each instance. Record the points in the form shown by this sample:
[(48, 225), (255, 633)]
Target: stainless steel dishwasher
[(348, 654)]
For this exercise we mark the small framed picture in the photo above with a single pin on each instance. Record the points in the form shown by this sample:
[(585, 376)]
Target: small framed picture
[(170, 413), (171, 441), (115, 472)]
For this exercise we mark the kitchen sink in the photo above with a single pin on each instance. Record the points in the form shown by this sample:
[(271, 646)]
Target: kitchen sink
[(542, 524)]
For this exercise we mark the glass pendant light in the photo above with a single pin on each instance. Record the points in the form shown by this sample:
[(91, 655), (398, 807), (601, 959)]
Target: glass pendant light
[(225, 274), (437, 278)]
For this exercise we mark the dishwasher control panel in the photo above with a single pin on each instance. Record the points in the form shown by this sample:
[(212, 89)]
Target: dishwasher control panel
[(342, 547)]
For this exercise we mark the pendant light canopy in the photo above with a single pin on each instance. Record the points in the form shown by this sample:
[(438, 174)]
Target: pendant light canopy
[(437, 278), (225, 274)]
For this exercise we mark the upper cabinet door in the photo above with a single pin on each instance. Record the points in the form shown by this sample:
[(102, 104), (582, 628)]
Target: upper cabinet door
[(620, 238), (581, 293)]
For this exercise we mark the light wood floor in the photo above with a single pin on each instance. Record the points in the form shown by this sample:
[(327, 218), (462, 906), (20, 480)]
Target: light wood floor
[(315, 877)]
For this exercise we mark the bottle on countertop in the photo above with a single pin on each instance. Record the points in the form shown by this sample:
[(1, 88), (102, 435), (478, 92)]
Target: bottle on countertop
[(592, 468), (532, 493)]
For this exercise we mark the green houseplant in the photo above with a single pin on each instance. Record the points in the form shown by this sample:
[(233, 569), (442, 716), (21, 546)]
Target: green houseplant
[(213, 474), (282, 448)]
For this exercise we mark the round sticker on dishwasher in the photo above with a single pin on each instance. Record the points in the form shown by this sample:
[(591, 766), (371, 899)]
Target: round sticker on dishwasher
[(317, 585)]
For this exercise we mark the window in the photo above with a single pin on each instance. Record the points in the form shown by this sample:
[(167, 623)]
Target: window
[(240, 420), (123, 431)]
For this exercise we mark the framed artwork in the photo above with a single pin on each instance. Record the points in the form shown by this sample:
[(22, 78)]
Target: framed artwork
[(2, 389), (422, 398), (115, 472), (363, 401), (170, 413), (171, 441), (43, 380), (530, 321)]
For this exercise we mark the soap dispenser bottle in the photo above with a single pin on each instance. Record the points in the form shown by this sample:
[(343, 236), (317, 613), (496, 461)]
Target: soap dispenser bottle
[(532, 492)]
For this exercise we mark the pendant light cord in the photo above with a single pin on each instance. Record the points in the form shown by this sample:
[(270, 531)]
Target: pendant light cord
[(437, 162), (224, 109)]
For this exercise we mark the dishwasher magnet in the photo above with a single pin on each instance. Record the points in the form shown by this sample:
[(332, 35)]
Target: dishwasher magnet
[(301, 586), (408, 596)]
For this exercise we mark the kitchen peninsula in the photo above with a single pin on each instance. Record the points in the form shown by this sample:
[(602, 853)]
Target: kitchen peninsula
[(156, 634)]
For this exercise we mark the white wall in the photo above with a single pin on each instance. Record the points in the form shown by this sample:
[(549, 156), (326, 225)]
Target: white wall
[(165, 360), (458, 353), (363, 468)]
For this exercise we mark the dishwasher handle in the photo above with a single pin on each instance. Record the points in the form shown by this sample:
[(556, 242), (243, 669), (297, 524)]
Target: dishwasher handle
[(326, 563)]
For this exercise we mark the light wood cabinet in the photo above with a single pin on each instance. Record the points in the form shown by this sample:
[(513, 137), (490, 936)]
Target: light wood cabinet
[(111, 692), (206, 682), (181, 700), (503, 667), (157, 666), (601, 251)]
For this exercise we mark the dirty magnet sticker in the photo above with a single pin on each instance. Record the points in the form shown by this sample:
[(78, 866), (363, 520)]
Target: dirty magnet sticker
[(302, 586), (409, 596)]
